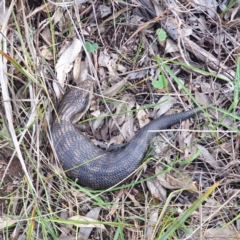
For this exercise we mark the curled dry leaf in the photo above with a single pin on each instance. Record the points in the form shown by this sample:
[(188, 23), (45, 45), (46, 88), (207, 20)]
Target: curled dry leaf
[(126, 130), (226, 147), (173, 180), (91, 215), (186, 141), (206, 6), (207, 156), (227, 232), (136, 75), (99, 121), (153, 217), (116, 140), (142, 117), (66, 238), (46, 52), (7, 222), (46, 35), (57, 16), (64, 64), (115, 206), (128, 102), (189, 149), (115, 88), (183, 135), (64, 230), (124, 120), (132, 197), (202, 98), (104, 10), (121, 68), (171, 46), (76, 68), (165, 103), (171, 27), (84, 66), (110, 61), (157, 190), (227, 121), (104, 59), (208, 208)]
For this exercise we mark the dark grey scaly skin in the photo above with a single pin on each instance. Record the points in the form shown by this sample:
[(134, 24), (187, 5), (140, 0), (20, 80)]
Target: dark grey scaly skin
[(91, 166)]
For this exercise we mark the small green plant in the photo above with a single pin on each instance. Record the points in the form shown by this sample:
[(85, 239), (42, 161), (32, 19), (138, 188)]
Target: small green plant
[(91, 47), (161, 34), (160, 83)]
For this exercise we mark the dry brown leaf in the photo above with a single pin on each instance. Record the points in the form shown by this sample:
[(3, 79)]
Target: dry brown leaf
[(128, 102), (124, 120), (103, 59), (116, 140), (119, 119), (175, 181), (226, 147), (209, 6), (113, 17), (137, 75), (64, 64), (227, 233), (209, 208), (46, 52), (91, 215), (183, 134), (153, 217), (181, 181), (207, 156), (142, 117), (99, 121), (115, 206), (202, 98), (76, 68), (205, 86), (189, 149), (115, 88), (46, 35), (128, 128), (157, 190), (7, 221), (64, 229), (104, 10), (166, 103), (132, 197), (66, 238), (121, 68), (110, 61), (227, 121), (171, 46), (176, 32)]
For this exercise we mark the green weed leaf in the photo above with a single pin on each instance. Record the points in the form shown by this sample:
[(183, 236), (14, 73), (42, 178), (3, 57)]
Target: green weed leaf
[(160, 83), (161, 34), (91, 47)]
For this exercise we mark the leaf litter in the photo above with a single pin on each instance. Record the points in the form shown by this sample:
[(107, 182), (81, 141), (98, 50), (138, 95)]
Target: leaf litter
[(186, 160)]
